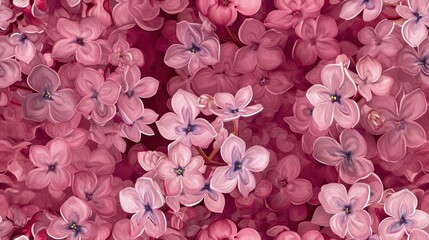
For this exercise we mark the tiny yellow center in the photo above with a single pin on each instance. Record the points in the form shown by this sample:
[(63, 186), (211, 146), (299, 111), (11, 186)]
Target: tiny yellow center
[(73, 226)]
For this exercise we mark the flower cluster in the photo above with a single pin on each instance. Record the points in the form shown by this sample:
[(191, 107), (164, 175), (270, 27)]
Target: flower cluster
[(214, 119)]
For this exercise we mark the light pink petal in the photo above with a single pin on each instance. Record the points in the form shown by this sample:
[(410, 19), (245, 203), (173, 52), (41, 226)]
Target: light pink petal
[(243, 97), (203, 133), (40, 156), (173, 186), (405, 11), (90, 28), (251, 110), (248, 234), (89, 53), (256, 158), (392, 146), (245, 60), (369, 69), (177, 56), (328, 48), (328, 151), (64, 48), (150, 192), (338, 224), (384, 28), (35, 107), (347, 113), (414, 134), (351, 9), (304, 53), (85, 106), (323, 115), (318, 94), (169, 126), (63, 106), (209, 52), (389, 229), (121, 15), (58, 228), (418, 6), (83, 183), (370, 14), (414, 32), (333, 197), (420, 219), (156, 225), (417, 234), (413, 105), (180, 154), (248, 7), (383, 86), (192, 182), (146, 87), (108, 93), (402, 203), (246, 182), (216, 204), (130, 200), (25, 51), (359, 194), (220, 182), (43, 78), (165, 169), (38, 179), (75, 209), (89, 230), (352, 140), (270, 58), (357, 168), (67, 28), (232, 149), (300, 191), (11, 72), (333, 76), (61, 179), (359, 224), (184, 105), (130, 108), (224, 100)]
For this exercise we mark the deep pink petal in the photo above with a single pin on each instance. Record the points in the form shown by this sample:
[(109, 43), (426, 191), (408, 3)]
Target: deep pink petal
[(354, 169), (62, 108), (64, 49), (300, 191), (414, 134), (304, 53), (83, 183), (38, 179), (61, 179), (413, 105), (245, 60), (89, 54), (108, 93), (392, 146), (75, 209)]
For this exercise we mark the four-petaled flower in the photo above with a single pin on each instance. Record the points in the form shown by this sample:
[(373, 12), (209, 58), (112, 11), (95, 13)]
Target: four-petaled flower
[(414, 29), (371, 9)]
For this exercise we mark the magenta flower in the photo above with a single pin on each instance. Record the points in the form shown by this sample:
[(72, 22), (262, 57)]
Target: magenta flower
[(331, 100), (371, 9), (99, 96), (416, 62), (289, 13), (370, 79), (79, 38), (95, 192), (49, 102), (181, 170), (73, 223), (235, 107), (349, 218), (291, 188), (348, 155), (399, 127), (317, 38), (263, 48), (195, 50), (130, 106), (144, 202), (403, 216), (224, 12), (51, 162), (414, 30), (182, 125), (241, 164)]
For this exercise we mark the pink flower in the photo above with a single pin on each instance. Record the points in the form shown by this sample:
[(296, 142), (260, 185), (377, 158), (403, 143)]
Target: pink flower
[(182, 125), (10, 69), (235, 107), (291, 188), (73, 223), (416, 62), (371, 9), (51, 162), (78, 38), (99, 96), (403, 216), (195, 51), (380, 42), (140, 126), (331, 100), (181, 170), (348, 155), (123, 55), (417, 234), (130, 106), (241, 164), (226, 229), (23, 42), (370, 79), (95, 192), (263, 48), (399, 127), (349, 217), (317, 38), (224, 12), (414, 30), (48, 103), (289, 13), (144, 202)]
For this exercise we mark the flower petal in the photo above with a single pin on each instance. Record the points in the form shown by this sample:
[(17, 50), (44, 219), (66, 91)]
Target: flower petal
[(333, 197)]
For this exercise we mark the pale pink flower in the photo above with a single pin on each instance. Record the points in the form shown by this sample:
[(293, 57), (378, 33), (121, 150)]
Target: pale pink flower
[(289, 13), (332, 99), (195, 50), (51, 162), (73, 223), (182, 125), (79, 39), (263, 48), (24, 47), (224, 12), (291, 188), (10, 71), (99, 96), (123, 55), (226, 229), (349, 217), (140, 126), (403, 216), (415, 62), (241, 164), (48, 102), (317, 39), (181, 171), (414, 30), (233, 107), (370, 79), (371, 9), (95, 192), (144, 202), (348, 155), (418, 234), (130, 106)]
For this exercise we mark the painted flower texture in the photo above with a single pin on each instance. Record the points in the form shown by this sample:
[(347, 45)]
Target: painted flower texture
[(214, 119)]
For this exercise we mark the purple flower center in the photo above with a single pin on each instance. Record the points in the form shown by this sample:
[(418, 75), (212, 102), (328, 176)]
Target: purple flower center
[(296, 13), (75, 228), (52, 167), (234, 110), (418, 16), (189, 128), (23, 38), (335, 98), (88, 196), (47, 95), (403, 220), (194, 48), (79, 41), (264, 81), (147, 208), (347, 209), (237, 166), (400, 124), (224, 2), (179, 171)]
